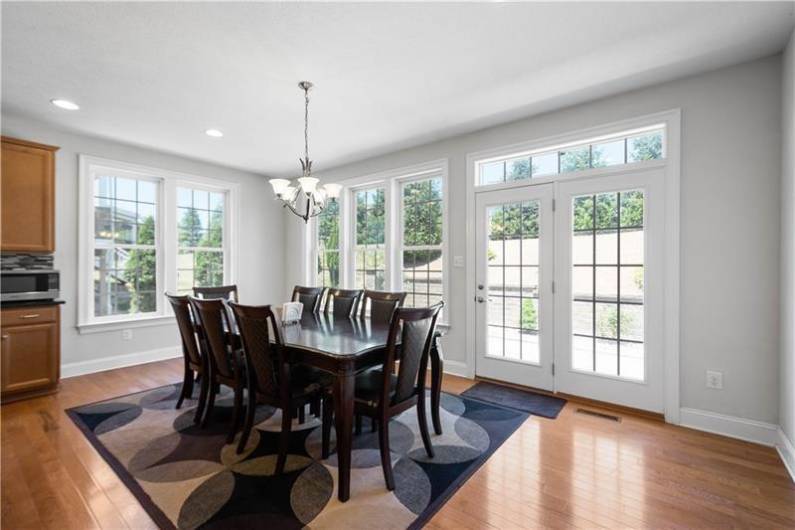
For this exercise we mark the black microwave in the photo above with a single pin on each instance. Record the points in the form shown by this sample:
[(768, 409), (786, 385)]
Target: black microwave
[(20, 285)]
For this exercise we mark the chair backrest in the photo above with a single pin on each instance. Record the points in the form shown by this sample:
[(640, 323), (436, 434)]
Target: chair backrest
[(309, 296), (227, 292), (382, 305), (213, 318), (187, 331), (342, 302), (264, 361), (416, 327)]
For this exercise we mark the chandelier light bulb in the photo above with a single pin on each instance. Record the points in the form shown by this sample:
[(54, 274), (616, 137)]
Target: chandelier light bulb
[(308, 184), (279, 186), (333, 190)]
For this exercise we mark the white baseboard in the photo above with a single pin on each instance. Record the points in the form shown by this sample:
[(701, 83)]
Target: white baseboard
[(731, 426), (119, 361), (787, 452), (457, 368)]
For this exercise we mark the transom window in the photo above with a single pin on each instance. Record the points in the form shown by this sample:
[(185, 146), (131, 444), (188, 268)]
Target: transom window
[(622, 149), (129, 257)]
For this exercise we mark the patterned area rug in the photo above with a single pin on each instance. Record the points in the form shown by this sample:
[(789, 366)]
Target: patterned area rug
[(187, 477)]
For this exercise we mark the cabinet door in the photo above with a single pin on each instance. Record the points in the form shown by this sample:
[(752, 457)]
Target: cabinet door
[(29, 357), (28, 197)]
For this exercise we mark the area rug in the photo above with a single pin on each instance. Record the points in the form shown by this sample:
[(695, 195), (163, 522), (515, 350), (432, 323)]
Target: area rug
[(187, 477), (524, 400)]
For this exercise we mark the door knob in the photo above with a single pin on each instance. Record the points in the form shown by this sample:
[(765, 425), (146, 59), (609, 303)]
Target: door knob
[(480, 299)]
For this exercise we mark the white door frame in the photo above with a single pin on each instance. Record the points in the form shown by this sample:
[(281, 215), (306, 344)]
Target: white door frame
[(671, 164)]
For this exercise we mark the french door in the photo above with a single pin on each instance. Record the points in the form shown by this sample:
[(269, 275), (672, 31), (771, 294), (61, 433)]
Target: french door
[(514, 294), (600, 335)]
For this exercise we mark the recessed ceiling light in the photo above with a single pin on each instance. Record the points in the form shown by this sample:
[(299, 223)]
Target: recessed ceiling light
[(215, 133), (65, 104)]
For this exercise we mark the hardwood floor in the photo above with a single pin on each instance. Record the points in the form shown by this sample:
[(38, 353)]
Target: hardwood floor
[(577, 471)]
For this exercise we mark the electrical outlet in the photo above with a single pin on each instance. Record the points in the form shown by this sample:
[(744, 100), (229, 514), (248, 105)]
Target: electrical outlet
[(714, 379), (126, 334)]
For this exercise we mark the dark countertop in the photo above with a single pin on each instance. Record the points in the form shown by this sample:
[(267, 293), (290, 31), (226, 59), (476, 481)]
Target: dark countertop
[(30, 303)]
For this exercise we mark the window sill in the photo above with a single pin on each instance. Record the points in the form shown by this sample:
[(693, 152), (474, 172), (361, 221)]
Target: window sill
[(115, 325)]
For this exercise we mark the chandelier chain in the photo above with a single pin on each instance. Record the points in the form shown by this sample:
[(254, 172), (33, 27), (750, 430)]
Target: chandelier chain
[(306, 124)]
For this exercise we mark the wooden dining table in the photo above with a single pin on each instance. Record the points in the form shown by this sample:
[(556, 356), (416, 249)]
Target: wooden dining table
[(345, 347)]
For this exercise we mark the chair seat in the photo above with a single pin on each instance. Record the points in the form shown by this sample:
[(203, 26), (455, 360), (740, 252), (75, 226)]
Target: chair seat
[(369, 385)]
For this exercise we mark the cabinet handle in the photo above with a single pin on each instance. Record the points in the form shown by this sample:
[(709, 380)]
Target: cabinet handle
[(6, 337), (34, 315)]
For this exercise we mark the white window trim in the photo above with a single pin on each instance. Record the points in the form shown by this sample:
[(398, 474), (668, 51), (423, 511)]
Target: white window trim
[(671, 162), (166, 239), (390, 180)]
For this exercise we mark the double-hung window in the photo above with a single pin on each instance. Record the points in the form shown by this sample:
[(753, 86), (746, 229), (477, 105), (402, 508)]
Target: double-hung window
[(146, 231), (387, 232)]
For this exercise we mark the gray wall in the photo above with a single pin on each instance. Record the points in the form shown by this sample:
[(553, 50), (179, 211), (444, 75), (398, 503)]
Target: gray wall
[(261, 236), (787, 381), (731, 174)]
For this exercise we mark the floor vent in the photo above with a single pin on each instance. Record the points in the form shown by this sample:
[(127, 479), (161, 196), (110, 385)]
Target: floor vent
[(602, 415)]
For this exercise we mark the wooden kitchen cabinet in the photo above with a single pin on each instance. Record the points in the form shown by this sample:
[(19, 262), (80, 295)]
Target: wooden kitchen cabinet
[(30, 351), (27, 189)]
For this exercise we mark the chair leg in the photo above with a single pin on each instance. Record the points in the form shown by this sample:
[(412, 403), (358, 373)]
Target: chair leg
[(423, 423), (373, 425), (248, 423), (358, 430), (386, 461), (203, 391), (284, 440), (314, 407), (187, 386), (328, 418), (301, 414), (210, 404), (236, 413)]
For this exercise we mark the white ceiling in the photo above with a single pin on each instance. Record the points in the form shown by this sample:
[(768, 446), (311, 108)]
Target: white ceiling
[(388, 76)]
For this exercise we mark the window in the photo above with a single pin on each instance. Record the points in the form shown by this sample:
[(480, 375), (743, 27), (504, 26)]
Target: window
[(622, 149), (328, 246), (422, 215), (125, 246), (369, 236), (607, 252), (200, 225), (143, 232), (387, 232)]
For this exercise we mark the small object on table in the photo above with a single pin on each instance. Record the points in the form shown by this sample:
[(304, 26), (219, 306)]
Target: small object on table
[(291, 312)]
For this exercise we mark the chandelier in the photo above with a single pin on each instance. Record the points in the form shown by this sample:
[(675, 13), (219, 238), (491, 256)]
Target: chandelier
[(307, 199)]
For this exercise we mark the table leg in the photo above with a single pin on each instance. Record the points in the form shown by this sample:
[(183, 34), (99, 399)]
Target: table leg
[(343, 415), (437, 367)]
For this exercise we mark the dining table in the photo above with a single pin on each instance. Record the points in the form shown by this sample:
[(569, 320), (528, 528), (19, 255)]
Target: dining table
[(344, 347)]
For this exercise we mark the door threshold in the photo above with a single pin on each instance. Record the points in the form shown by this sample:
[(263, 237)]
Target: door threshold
[(621, 409)]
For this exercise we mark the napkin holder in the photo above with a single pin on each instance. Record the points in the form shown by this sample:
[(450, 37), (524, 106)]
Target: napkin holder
[(291, 312)]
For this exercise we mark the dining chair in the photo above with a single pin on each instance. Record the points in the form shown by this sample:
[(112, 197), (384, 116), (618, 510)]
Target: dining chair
[(195, 365), (342, 302), (271, 379), (309, 296), (382, 305), (381, 394), (225, 363), (226, 292)]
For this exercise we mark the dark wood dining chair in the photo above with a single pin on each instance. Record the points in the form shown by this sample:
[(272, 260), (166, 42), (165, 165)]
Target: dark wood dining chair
[(226, 292), (271, 379), (195, 365), (382, 305), (342, 302), (224, 362), (309, 296), (381, 394)]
